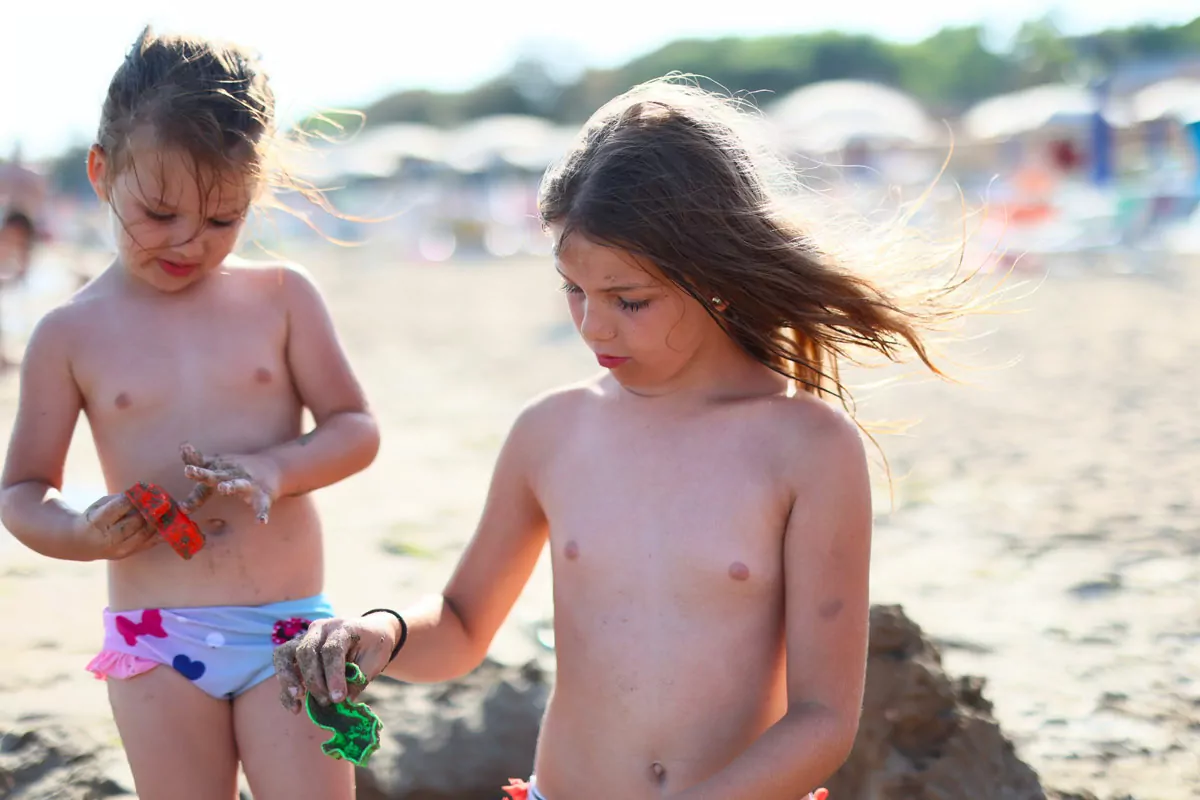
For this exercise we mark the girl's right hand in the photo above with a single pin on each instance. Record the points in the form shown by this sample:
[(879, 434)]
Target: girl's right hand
[(315, 661), (111, 529)]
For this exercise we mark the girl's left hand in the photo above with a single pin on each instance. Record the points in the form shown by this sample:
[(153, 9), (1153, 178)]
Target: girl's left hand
[(255, 479)]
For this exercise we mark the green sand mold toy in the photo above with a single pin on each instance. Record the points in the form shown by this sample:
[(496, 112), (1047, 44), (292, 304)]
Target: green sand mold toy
[(354, 725)]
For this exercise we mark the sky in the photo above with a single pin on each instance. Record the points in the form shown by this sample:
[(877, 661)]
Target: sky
[(58, 57)]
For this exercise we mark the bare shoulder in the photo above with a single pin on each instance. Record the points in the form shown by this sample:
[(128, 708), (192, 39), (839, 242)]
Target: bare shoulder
[(285, 277), (60, 327), (558, 405), (813, 439), (547, 418)]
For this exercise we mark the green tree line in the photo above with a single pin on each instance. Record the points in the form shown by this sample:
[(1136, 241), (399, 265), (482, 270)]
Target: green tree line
[(947, 71)]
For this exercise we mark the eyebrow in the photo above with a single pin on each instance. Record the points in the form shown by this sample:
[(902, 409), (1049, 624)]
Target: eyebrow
[(627, 287)]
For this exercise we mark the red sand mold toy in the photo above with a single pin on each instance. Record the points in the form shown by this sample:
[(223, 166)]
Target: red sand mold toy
[(162, 512)]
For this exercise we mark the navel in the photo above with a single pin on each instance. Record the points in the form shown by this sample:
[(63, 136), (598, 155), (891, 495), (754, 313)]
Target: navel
[(739, 571), (262, 375), (659, 772), (571, 551), (214, 526), (122, 401)]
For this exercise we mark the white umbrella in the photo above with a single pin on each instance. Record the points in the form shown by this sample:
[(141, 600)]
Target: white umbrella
[(527, 142), (1176, 98), (826, 116), (372, 153), (1034, 109)]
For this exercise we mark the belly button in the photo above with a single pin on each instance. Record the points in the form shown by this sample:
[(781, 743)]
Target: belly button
[(659, 772), (214, 526)]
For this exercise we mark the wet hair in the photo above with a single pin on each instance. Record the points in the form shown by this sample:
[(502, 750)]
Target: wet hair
[(209, 100), (674, 174), (213, 102)]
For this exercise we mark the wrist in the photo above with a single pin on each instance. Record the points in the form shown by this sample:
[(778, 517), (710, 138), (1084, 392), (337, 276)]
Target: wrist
[(269, 468), (274, 479), (399, 630), (78, 544)]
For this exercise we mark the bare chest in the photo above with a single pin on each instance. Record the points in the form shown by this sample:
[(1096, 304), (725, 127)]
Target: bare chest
[(681, 524), (140, 363)]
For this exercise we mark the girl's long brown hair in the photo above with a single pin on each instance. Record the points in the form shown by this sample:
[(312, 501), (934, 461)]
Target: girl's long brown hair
[(667, 171)]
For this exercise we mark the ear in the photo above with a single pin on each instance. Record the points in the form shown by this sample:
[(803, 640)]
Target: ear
[(97, 171)]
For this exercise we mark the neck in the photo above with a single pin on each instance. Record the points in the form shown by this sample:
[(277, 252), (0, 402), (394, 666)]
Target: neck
[(719, 374)]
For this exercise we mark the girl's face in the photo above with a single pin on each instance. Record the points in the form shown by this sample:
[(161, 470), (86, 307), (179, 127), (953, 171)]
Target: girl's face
[(641, 326), (171, 228)]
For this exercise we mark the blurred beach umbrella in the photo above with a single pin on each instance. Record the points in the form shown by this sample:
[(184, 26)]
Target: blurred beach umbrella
[(372, 153), (1038, 108), (1175, 98), (826, 117), (524, 142)]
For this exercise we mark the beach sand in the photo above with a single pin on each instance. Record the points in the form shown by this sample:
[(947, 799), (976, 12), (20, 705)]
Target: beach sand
[(1045, 526)]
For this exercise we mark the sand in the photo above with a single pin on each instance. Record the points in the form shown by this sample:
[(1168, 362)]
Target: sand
[(1045, 527)]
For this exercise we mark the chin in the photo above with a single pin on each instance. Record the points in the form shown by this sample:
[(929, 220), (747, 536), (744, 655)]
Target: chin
[(153, 276)]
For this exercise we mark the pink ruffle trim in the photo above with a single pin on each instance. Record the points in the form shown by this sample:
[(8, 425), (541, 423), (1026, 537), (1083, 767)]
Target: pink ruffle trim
[(112, 664)]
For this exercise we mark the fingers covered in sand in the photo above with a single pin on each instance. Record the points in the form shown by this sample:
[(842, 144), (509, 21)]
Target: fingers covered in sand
[(247, 477)]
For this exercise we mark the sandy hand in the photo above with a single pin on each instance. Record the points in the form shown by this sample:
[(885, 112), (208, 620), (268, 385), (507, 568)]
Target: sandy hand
[(253, 478), (315, 662), (111, 528)]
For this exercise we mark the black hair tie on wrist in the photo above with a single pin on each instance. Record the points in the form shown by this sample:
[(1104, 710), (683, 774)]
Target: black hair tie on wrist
[(403, 630)]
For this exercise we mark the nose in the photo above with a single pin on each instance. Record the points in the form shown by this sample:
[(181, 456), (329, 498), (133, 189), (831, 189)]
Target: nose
[(188, 241), (594, 325)]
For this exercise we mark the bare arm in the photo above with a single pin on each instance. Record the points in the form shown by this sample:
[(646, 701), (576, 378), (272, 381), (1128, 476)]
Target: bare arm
[(827, 553), (346, 437), (47, 412), (449, 634)]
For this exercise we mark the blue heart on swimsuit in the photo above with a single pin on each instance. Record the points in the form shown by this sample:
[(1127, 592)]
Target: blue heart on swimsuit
[(192, 670)]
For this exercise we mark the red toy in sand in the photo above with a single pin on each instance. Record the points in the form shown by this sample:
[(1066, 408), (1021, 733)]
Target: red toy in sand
[(161, 511)]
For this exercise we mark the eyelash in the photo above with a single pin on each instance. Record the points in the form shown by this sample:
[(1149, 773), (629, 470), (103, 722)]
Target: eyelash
[(217, 223), (623, 304)]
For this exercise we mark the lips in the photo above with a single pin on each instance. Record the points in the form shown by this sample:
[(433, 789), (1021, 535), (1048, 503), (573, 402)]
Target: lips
[(176, 269), (610, 362)]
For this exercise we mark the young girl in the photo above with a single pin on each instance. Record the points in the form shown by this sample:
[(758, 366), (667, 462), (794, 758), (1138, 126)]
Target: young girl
[(177, 343), (709, 525)]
